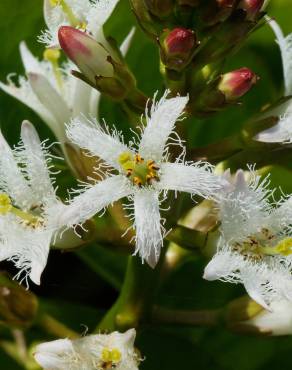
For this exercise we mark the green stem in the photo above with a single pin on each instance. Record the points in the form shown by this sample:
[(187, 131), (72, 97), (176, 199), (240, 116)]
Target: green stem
[(187, 238), (55, 328), (135, 298)]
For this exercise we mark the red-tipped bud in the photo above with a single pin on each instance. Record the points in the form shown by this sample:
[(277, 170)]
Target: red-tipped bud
[(85, 52), (100, 66), (225, 3), (237, 83), (252, 7), (177, 47)]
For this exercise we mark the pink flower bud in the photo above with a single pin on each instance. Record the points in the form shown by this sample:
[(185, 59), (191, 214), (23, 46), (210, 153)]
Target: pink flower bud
[(237, 83), (90, 56), (252, 7), (180, 41)]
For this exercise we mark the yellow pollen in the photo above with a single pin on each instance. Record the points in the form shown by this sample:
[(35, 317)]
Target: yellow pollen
[(5, 204), (284, 247), (139, 171), (52, 56), (111, 356), (7, 207)]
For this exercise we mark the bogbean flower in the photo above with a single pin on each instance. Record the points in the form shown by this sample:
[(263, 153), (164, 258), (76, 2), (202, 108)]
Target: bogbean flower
[(282, 131), (142, 173), (93, 352), (29, 207), (52, 92), (255, 245), (86, 15)]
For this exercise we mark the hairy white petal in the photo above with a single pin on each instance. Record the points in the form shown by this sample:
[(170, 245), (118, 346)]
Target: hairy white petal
[(196, 178), (280, 133), (11, 178), (53, 102), (285, 44), (161, 119), (25, 95), (35, 160), (98, 141), (98, 14), (30, 62), (94, 199), (149, 232), (243, 210)]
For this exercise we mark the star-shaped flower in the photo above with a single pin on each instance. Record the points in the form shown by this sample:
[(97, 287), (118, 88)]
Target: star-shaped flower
[(86, 15), (142, 173), (101, 351), (255, 246), (29, 207), (282, 131)]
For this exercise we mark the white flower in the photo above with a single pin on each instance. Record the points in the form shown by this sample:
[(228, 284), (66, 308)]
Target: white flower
[(93, 352), (282, 131), (142, 174), (29, 207), (255, 246), (276, 322), (87, 15), (52, 92)]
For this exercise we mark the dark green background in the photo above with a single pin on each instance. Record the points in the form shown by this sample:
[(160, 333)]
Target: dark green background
[(77, 288)]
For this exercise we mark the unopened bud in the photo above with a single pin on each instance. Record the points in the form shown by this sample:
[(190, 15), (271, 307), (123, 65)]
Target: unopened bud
[(245, 316), (237, 83), (99, 65), (160, 8), (18, 306), (177, 47), (252, 7)]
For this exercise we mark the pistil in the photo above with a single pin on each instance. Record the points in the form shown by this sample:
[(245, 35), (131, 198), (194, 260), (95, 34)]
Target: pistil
[(53, 56)]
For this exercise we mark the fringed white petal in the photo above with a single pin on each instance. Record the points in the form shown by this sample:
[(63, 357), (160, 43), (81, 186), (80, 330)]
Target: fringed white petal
[(53, 102), (93, 200), (244, 209), (36, 159), (280, 133), (285, 44), (161, 119), (197, 178), (82, 99), (98, 141), (127, 42), (225, 265), (11, 179), (30, 62), (25, 95), (149, 231), (98, 14)]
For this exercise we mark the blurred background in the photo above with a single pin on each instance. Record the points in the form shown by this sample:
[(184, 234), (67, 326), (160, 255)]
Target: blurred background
[(77, 288)]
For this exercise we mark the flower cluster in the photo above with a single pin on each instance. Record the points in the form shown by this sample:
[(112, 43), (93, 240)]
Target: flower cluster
[(146, 174)]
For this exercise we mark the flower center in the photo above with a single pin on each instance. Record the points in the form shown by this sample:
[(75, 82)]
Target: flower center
[(53, 56), (73, 20), (27, 218), (264, 244), (110, 358), (140, 171)]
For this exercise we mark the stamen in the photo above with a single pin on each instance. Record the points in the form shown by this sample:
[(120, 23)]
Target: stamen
[(73, 20), (141, 172), (110, 358), (7, 207), (52, 56)]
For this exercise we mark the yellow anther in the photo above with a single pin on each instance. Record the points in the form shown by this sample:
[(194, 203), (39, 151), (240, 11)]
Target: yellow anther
[(125, 157), (5, 204), (138, 158), (106, 355), (284, 247), (52, 55), (137, 181), (116, 356)]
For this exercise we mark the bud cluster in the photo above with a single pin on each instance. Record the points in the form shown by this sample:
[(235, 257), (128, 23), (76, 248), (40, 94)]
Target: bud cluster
[(195, 37)]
